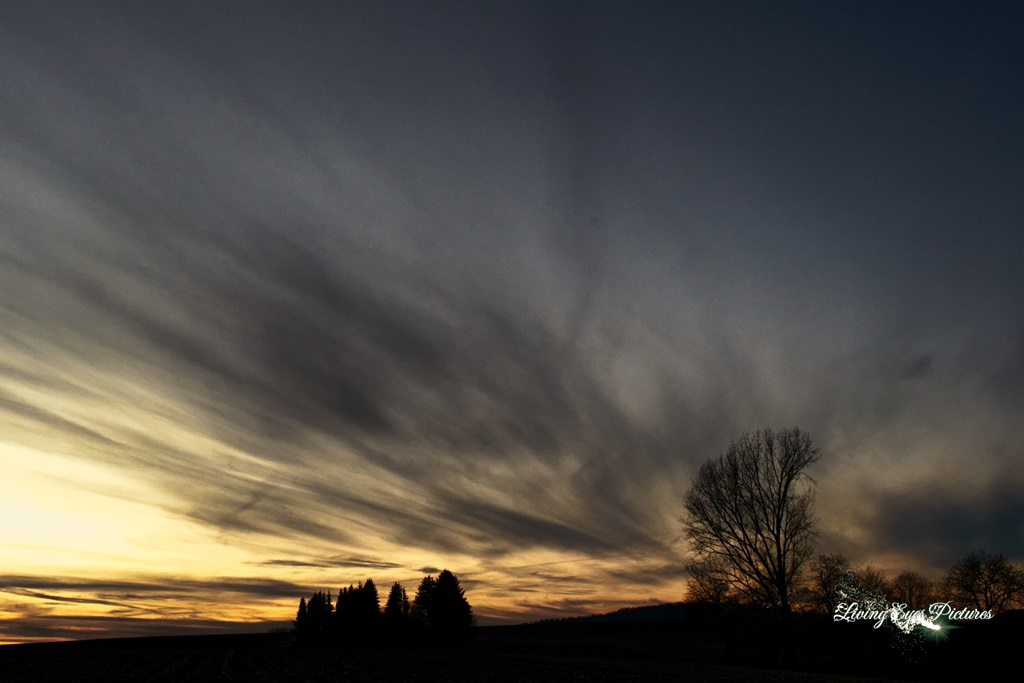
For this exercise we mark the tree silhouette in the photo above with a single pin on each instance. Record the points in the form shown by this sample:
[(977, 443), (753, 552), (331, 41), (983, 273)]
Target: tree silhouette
[(358, 608), (440, 604), (344, 609), (874, 582), (826, 574), (369, 603), (396, 610), (301, 616), (985, 581), (314, 618), (912, 589), (422, 602), (709, 583), (748, 511), (449, 609)]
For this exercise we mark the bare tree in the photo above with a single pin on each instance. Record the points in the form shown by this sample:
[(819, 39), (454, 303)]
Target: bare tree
[(826, 574), (985, 581), (709, 583), (752, 510), (874, 583), (912, 589)]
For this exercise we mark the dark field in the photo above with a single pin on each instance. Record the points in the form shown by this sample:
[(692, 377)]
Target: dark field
[(273, 658), (555, 652)]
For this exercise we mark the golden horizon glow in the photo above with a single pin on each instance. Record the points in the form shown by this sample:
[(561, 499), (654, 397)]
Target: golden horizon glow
[(72, 522)]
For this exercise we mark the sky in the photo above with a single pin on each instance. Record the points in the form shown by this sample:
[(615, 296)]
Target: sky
[(297, 294)]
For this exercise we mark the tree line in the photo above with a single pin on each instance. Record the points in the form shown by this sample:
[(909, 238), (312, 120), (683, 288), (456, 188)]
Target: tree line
[(439, 605), (752, 532), (984, 581), (979, 580)]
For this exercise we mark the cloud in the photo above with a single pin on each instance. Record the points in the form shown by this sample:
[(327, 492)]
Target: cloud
[(429, 570), (77, 627), (939, 526), (918, 367), (333, 562), (60, 598), (430, 388), (151, 587)]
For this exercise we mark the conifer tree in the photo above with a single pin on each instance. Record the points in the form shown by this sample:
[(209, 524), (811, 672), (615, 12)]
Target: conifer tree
[(420, 613), (346, 609), (449, 609), (370, 603), (313, 618), (396, 610), (300, 617)]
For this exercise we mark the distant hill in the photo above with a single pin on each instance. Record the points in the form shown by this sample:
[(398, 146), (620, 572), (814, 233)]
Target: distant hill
[(669, 611)]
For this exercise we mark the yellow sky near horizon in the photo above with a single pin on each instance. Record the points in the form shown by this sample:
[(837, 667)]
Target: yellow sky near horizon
[(95, 543)]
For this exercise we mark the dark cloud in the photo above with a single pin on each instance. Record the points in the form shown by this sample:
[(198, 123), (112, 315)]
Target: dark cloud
[(650, 573), (918, 368), (76, 627), (1006, 378), (363, 562), (341, 562), (293, 563), (53, 423), (60, 598), (160, 587), (374, 370), (522, 530), (938, 526)]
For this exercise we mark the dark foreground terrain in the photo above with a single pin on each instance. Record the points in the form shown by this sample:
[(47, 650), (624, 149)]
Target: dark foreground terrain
[(653, 651), (275, 658)]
